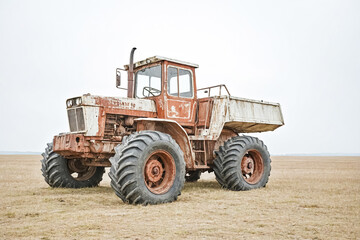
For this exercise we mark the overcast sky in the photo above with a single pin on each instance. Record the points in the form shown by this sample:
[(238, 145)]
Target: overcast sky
[(303, 54)]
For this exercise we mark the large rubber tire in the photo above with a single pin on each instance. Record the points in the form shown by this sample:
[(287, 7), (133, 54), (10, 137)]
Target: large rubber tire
[(246, 163), (139, 153), (192, 176), (218, 163), (56, 172), (112, 173)]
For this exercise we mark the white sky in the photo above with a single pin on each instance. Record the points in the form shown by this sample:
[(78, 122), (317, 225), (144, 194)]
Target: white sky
[(302, 54)]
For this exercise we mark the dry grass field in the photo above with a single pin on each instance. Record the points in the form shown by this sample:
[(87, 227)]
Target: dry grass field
[(306, 198)]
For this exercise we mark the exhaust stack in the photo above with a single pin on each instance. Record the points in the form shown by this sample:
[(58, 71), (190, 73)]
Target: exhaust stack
[(131, 75)]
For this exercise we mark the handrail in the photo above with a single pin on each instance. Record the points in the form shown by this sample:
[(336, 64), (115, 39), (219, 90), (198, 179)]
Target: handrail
[(219, 86)]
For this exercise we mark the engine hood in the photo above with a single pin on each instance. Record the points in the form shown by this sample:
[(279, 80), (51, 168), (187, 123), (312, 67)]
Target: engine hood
[(114, 102)]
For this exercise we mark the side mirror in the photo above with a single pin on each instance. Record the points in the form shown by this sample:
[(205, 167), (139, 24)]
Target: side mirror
[(118, 78)]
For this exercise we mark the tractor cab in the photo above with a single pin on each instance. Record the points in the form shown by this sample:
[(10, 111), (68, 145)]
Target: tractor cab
[(170, 84)]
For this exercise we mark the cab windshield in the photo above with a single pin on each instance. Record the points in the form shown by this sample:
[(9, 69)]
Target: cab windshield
[(148, 82)]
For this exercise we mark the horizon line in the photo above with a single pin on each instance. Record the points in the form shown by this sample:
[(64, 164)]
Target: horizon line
[(275, 154)]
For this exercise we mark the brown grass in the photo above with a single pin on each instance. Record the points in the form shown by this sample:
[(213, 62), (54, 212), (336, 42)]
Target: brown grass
[(306, 198)]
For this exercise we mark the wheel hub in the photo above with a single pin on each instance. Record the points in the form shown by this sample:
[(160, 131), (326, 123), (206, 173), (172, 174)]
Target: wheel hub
[(75, 165), (154, 170), (247, 164), (159, 172), (252, 166), (79, 171)]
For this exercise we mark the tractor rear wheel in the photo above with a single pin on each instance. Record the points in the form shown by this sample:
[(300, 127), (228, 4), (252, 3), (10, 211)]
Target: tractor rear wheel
[(192, 176), (68, 173), (218, 163), (148, 168), (246, 164)]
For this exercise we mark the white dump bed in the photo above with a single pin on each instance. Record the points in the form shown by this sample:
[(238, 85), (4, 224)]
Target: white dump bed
[(244, 115)]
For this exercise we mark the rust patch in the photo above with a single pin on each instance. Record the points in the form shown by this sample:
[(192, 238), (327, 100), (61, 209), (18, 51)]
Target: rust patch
[(175, 131), (205, 111), (159, 172), (252, 166)]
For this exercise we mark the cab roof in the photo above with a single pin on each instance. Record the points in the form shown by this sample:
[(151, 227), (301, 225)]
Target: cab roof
[(158, 59)]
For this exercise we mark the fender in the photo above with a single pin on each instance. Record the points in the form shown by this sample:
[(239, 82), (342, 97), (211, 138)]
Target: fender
[(175, 130)]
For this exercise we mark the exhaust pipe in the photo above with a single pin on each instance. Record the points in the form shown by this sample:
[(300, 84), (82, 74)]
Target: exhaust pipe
[(131, 75)]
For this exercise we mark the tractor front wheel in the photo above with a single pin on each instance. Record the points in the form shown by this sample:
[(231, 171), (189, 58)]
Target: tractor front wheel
[(68, 173), (148, 168)]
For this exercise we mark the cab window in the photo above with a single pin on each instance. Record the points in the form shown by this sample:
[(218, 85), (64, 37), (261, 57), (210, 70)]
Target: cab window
[(148, 82), (179, 82)]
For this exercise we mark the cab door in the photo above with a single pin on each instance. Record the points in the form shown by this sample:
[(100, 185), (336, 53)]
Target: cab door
[(180, 103)]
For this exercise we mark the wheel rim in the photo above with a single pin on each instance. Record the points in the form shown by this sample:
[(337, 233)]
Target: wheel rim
[(252, 166), (159, 172), (79, 171)]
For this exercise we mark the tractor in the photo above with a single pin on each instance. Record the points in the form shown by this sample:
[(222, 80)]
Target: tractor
[(161, 135)]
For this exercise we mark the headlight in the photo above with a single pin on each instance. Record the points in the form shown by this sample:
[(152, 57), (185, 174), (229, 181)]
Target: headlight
[(78, 101), (69, 103)]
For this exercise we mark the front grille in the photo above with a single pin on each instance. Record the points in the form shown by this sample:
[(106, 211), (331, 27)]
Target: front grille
[(76, 119)]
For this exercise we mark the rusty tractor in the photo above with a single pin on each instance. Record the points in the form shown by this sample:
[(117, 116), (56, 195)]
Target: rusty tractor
[(161, 135)]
